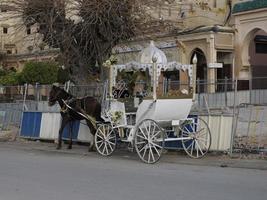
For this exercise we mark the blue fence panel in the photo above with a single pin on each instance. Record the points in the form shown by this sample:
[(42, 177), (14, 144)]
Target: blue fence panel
[(31, 123), (75, 130)]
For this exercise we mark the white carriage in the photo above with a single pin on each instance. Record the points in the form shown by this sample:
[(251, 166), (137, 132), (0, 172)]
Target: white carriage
[(155, 115)]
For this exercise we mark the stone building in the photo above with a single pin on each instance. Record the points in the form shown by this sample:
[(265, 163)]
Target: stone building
[(203, 30), (250, 23), (228, 36), (18, 43)]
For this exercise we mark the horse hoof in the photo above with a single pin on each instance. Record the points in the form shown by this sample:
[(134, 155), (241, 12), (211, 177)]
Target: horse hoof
[(69, 147)]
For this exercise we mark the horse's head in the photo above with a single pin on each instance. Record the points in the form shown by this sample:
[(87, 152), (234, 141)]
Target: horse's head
[(54, 95)]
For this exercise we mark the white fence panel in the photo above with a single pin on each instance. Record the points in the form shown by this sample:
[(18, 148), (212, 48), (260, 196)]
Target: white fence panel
[(221, 129), (50, 125)]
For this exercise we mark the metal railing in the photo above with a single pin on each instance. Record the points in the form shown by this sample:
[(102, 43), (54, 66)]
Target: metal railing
[(213, 95)]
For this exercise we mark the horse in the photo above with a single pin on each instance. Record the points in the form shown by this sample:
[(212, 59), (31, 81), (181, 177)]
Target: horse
[(72, 109)]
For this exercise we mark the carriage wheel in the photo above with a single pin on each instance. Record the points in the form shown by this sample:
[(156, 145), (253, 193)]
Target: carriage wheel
[(105, 139), (149, 141), (197, 137)]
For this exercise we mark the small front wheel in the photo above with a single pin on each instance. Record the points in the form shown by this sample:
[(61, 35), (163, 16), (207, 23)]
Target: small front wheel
[(105, 139), (149, 141)]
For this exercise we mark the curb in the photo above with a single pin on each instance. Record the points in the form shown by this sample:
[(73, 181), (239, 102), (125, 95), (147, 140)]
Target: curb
[(170, 158)]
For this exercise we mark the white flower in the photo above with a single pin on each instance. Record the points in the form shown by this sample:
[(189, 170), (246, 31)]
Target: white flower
[(184, 91)]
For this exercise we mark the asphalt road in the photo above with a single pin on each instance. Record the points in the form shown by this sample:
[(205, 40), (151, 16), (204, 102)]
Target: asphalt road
[(33, 175)]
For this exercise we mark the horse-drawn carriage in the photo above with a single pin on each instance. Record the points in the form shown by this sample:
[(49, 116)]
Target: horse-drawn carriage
[(159, 113), (156, 116)]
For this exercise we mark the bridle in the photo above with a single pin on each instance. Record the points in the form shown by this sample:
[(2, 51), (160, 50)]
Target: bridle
[(55, 98)]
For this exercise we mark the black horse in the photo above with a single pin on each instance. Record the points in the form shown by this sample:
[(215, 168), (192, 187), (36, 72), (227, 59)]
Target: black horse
[(72, 109)]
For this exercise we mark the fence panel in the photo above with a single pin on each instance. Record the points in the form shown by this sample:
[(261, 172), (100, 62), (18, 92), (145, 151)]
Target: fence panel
[(251, 128)]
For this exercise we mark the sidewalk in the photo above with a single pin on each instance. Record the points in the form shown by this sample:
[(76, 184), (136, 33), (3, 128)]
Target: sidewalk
[(175, 157)]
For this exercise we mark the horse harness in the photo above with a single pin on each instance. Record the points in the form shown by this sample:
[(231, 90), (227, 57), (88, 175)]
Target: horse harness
[(67, 106)]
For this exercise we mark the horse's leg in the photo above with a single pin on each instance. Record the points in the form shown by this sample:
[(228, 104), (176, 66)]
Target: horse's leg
[(70, 135), (93, 131), (63, 124)]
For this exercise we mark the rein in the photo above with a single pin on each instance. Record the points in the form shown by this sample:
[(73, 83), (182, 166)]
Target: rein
[(88, 117)]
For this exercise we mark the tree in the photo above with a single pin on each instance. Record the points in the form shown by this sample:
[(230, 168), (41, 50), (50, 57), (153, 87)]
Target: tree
[(39, 72), (9, 78), (85, 31)]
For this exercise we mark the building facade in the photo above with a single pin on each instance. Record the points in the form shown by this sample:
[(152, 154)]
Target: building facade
[(18, 43), (250, 22), (229, 32)]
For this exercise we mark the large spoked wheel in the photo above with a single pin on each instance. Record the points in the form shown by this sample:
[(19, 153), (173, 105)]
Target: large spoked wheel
[(196, 137), (105, 139), (149, 141)]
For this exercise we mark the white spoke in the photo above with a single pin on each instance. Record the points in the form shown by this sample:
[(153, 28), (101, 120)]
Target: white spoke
[(189, 145), (143, 133), (106, 147), (148, 155), (203, 140), (192, 147), (141, 137), (109, 142), (101, 145), (149, 128), (109, 138), (196, 148), (143, 148), (155, 135), (100, 137), (156, 145), (187, 130), (101, 133), (156, 150), (153, 131), (142, 142), (144, 154), (150, 149), (99, 141), (202, 143), (109, 134), (199, 148), (199, 132)]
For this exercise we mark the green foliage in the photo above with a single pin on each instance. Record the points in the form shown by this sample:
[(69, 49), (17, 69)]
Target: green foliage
[(131, 78), (40, 72), (34, 72), (9, 78), (63, 75), (3, 72)]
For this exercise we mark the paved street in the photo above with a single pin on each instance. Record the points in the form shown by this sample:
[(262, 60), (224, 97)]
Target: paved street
[(43, 175)]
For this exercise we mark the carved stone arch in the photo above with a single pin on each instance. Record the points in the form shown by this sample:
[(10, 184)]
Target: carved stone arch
[(191, 51), (246, 41), (202, 69)]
